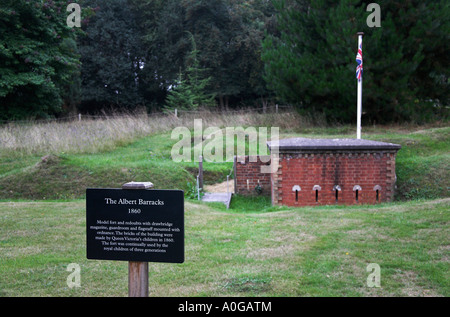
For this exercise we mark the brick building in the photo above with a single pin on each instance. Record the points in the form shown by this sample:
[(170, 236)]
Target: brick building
[(321, 172)]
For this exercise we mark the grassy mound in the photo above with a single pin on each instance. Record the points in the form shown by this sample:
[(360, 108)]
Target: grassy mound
[(45, 171)]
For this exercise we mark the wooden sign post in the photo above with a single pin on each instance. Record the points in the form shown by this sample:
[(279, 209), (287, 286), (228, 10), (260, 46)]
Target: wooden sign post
[(137, 279), (137, 225), (137, 271)]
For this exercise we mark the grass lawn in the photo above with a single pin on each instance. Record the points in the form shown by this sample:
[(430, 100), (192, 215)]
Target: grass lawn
[(252, 249), (322, 251)]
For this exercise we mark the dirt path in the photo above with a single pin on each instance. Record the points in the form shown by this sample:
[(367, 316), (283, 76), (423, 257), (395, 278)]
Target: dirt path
[(220, 187)]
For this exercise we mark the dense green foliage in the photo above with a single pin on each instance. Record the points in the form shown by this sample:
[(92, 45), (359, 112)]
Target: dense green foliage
[(111, 57), (134, 53), (228, 35), (190, 92), (38, 58), (406, 64)]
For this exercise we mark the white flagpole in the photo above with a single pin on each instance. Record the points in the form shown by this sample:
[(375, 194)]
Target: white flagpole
[(359, 102)]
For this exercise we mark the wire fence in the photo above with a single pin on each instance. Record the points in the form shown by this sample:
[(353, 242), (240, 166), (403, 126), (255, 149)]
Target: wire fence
[(268, 109), (274, 109)]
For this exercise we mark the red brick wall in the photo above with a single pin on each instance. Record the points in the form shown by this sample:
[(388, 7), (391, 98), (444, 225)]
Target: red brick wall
[(327, 169), (249, 168)]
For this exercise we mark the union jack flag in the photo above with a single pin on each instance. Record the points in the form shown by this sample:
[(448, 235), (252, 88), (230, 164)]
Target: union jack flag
[(359, 61)]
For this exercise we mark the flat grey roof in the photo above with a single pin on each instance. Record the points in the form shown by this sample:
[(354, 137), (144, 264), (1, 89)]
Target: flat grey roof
[(301, 144)]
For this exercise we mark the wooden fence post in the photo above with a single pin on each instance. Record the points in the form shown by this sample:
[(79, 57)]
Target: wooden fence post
[(200, 172), (137, 271)]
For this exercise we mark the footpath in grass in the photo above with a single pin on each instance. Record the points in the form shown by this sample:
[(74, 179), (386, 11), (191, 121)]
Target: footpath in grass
[(321, 251)]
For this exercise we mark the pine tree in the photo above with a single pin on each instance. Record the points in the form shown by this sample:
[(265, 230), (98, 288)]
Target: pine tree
[(190, 93), (180, 96), (312, 61), (197, 79)]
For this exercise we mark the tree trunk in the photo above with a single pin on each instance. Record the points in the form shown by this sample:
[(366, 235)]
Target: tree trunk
[(221, 102), (264, 104)]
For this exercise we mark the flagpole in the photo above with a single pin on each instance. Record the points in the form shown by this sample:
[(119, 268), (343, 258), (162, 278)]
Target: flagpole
[(359, 102)]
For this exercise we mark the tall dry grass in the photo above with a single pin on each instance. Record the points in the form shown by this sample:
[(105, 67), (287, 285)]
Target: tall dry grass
[(97, 135)]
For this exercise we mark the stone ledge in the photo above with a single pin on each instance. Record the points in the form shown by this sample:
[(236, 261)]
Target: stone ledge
[(305, 144)]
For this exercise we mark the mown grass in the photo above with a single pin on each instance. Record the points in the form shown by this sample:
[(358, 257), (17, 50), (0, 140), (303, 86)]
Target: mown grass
[(321, 251), (252, 249)]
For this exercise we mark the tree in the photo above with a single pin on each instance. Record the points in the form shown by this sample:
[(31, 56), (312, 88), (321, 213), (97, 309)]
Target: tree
[(190, 93), (180, 95), (241, 71), (38, 58), (228, 36), (311, 62), (197, 79), (112, 57), (229, 33)]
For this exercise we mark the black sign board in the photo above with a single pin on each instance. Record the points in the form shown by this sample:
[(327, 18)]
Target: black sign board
[(135, 225)]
